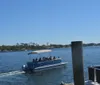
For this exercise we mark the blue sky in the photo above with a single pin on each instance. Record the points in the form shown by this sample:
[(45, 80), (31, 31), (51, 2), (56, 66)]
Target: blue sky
[(53, 21)]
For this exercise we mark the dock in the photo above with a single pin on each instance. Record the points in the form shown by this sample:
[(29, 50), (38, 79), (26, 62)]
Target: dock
[(86, 83), (66, 83), (78, 67)]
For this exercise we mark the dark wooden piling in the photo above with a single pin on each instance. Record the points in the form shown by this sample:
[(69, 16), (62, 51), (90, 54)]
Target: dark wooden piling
[(77, 61)]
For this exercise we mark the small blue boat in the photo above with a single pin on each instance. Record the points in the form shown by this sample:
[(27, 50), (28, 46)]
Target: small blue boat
[(43, 63)]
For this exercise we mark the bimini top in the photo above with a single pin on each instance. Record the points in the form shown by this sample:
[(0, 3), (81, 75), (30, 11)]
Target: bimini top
[(39, 51)]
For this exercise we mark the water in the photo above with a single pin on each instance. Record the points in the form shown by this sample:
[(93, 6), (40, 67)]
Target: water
[(11, 62)]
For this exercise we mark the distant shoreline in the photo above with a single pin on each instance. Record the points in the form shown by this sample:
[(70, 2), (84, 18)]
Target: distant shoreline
[(28, 47)]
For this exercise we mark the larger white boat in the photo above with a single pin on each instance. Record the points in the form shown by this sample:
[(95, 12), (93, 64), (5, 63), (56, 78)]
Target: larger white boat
[(43, 63)]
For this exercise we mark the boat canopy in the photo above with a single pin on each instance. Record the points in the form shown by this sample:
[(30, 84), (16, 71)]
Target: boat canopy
[(39, 51)]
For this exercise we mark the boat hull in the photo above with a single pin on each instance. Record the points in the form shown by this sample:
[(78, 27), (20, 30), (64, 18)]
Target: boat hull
[(45, 67)]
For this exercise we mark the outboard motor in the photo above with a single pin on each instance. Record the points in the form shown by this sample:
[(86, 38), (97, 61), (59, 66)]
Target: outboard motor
[(24, 67)]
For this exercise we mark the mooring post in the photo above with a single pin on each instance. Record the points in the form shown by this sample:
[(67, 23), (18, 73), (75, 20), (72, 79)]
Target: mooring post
[(77, 61)]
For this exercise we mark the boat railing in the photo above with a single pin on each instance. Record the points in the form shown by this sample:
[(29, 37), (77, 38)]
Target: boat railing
[(94, 73), (46, 59)]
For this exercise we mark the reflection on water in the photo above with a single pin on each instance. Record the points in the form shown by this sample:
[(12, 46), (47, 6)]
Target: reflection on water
[(46, 77)]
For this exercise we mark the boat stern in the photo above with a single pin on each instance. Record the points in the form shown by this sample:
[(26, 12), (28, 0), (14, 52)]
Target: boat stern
[(24, 67), (29, 68)]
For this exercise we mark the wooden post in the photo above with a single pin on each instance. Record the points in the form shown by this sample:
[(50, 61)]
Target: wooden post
[(77, 61)]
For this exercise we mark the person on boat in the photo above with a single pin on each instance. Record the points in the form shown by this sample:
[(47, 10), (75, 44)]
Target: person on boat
[(47, 58), (36, 59), (54, 58), (33, 60), (50, 57), (39, 59), (58, 57), (44, 58)]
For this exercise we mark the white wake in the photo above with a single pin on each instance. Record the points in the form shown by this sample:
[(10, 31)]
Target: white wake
[(11, 73)]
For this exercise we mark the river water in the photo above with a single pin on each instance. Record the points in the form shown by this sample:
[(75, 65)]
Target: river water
[(11, 63)]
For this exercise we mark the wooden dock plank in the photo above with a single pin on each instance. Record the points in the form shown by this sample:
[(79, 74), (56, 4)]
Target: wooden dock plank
[(86, 83)]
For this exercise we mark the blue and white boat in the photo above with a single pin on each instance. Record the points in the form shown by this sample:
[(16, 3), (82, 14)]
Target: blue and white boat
[(43, 63)]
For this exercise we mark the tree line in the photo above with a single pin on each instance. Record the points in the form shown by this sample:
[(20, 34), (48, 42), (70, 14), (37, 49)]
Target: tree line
[(29, 46), (35, 46)]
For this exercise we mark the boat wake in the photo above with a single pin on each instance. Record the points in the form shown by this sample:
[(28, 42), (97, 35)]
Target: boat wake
[(11, 73)]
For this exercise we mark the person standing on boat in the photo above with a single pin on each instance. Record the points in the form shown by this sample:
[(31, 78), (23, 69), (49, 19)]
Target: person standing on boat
[(54, 58), (39, 59), (50, 58), (36, 59), (33, 60)]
